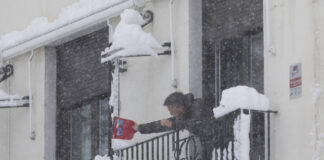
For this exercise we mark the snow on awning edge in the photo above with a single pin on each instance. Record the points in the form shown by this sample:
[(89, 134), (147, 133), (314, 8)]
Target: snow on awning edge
[(68, 29)]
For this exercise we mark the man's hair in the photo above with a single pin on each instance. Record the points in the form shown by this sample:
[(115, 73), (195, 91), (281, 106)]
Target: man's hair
[(175, 99)]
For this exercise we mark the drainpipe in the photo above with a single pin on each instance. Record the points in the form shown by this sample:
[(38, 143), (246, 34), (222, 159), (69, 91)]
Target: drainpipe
[(271, 49), (32, 133), (110, 31), (174, 83)]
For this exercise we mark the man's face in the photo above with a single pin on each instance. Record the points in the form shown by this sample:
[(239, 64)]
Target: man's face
[(176, 111)]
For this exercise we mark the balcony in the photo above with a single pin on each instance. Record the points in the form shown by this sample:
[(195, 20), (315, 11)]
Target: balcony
[(235, 140)]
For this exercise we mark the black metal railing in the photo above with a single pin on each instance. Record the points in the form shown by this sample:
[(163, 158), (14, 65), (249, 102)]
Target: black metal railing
[(171, 146), (160, 147)]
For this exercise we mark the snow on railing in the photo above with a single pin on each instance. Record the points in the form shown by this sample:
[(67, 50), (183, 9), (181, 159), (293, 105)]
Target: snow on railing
[(241, 97)]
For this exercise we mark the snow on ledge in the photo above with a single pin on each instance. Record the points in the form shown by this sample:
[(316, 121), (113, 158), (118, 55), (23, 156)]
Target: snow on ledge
[(241, 97), (41, 25), (129, 39)]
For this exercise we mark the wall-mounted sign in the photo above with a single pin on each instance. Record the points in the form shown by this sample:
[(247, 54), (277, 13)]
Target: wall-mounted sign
[(295, 80)]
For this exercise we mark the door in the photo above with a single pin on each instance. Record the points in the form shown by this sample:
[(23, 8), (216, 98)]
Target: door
[(239, 61)]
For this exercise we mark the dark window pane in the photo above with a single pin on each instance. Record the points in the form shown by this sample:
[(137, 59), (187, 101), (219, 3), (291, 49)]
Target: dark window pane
[(80, 127), (257, 62), (103, 126)]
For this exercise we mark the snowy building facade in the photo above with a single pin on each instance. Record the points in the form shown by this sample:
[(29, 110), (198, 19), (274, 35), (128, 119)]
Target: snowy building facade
[(217, 45)]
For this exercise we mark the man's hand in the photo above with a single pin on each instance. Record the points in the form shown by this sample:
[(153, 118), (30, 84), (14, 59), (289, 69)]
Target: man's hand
[(166, 123), (135, 127)]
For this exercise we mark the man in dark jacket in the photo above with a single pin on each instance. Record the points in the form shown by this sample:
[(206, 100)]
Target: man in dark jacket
[(187, 113)]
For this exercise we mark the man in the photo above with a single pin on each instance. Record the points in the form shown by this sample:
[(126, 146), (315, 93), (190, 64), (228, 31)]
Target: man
[(187, 113)]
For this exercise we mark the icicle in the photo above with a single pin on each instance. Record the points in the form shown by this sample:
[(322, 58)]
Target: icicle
[(114, 97), (229, 150)]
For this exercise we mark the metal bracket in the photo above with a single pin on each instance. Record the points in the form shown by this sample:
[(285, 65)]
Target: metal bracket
[(148, 17), (122, 66), (21, 101), (6, 72)]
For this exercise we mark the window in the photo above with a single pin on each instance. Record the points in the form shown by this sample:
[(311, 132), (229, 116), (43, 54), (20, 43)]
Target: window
[(83, 85)]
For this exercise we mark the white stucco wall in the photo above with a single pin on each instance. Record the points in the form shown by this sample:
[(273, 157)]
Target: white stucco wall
[(147, 81), (15, 143), (295, 26), (14, 131)]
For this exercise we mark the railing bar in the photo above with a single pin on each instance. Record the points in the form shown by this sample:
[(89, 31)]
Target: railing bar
[(168, 147), (177, 145), (153, 149), (147, 151), (268, 126), (142, 151), (258, 111), (162, 147), (157, 149), (233, 154), (137, 151), (173, 141), (132, 151), (126, 154), (221, 152)]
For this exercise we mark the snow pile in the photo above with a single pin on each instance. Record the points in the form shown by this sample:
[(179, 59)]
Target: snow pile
[(241, 137), (119, 144), (318, 147), (129, 38), (67, 15), (102, 158), (316, 93), (8, 100), (241, 97), (98, 157), (317, 142)]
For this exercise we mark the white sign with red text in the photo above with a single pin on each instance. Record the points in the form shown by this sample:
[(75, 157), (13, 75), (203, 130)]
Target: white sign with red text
[(295, 84)]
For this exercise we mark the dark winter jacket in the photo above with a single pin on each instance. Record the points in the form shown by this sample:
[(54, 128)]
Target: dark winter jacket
[(197, 119)]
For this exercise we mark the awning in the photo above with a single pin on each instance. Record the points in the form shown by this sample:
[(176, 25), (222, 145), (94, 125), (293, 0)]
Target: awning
[(69, 29)]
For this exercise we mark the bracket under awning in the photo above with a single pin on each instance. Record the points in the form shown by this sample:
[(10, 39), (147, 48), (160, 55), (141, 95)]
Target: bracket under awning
[(20, 102)]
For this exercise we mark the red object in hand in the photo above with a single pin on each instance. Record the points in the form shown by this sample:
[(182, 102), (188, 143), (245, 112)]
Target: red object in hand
[(123, 128)]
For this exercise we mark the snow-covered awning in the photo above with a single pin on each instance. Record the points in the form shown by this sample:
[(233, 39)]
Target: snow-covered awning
[(129, 39), (73, 19)]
